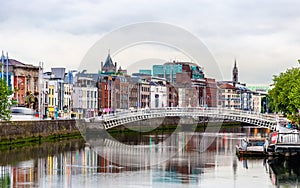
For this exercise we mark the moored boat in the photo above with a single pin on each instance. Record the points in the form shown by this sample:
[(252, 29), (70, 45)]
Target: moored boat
[(251, 147)]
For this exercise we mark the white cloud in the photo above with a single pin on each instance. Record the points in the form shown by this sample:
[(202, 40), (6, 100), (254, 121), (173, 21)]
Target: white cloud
[(262, 35)]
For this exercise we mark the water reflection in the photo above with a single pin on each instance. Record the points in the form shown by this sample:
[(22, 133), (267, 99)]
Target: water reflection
[(285, 172), (24, 167), (77, 164)]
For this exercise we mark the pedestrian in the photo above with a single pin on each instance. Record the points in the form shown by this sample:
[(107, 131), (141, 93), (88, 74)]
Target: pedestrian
[(284, 124), (266, 145)]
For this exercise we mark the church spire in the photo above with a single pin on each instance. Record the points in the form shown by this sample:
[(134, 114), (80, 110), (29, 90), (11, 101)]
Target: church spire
[(108, 65), (235, 73)]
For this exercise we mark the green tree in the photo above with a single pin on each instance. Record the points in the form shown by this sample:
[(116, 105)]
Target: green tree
[(285, 96), (5, 102)]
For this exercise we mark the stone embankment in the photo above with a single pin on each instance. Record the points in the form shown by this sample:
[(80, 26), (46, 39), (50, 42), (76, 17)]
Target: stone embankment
[(11, 130)]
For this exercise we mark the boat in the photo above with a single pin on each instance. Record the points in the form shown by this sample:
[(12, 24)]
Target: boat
[(285, 142), (251, 147)]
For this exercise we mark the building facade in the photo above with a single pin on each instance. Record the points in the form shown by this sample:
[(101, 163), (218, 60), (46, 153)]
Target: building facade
[(230, 96), (212, 92), (133, 93), (144, 94), (24, 79), (158, 93)]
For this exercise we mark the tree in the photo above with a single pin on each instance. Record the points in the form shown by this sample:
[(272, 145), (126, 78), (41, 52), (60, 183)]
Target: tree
[(5, 102), (285, 96)]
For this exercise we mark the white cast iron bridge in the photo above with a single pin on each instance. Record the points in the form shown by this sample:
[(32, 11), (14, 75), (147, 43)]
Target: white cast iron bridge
[(117, 119)]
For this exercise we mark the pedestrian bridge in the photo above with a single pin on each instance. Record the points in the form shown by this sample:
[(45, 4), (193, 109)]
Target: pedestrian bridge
[(117, 119)]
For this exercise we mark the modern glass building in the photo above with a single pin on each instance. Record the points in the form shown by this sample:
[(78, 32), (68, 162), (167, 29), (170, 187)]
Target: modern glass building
[(167, 70), (197, 72)]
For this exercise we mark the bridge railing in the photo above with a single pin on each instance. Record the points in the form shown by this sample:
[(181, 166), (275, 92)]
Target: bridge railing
[(191, 111)]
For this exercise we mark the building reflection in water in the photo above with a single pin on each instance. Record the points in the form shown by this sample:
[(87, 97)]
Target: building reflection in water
[(178, 160)]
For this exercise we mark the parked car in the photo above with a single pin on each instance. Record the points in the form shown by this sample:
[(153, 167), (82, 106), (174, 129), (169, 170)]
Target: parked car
[(22, 113)]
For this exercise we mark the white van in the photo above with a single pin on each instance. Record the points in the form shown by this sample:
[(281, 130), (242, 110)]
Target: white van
[(22, 113)]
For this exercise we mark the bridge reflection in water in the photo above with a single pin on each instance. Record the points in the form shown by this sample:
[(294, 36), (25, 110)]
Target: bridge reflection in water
[(75, 164)]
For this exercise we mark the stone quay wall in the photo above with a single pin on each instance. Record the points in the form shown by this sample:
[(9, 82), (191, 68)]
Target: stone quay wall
[(42, 128)]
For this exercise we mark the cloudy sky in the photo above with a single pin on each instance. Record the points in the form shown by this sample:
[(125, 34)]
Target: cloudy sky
[(264, 36)]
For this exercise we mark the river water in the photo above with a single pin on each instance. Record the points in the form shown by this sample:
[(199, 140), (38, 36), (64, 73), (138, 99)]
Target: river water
[(181, 161)]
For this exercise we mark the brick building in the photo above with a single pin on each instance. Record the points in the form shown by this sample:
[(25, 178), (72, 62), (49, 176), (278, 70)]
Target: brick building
[(24, 79)]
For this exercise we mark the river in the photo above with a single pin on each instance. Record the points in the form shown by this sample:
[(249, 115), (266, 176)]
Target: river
[(156, 160)]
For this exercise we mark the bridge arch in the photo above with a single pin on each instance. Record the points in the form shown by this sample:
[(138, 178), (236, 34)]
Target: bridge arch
[(121, 118)]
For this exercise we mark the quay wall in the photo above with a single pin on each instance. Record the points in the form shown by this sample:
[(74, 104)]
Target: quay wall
[(42, 128), (12, 130)]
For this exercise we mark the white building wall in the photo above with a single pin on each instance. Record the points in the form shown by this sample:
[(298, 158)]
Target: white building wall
[(257, 103), (161, 91), (89, 100), (230, 99), (181, 97), (77, 97), (93, 99), (84, 98)]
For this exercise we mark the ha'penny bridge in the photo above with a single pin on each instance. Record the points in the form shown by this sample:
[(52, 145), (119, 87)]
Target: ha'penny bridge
[(287, 141), (121, 118)]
